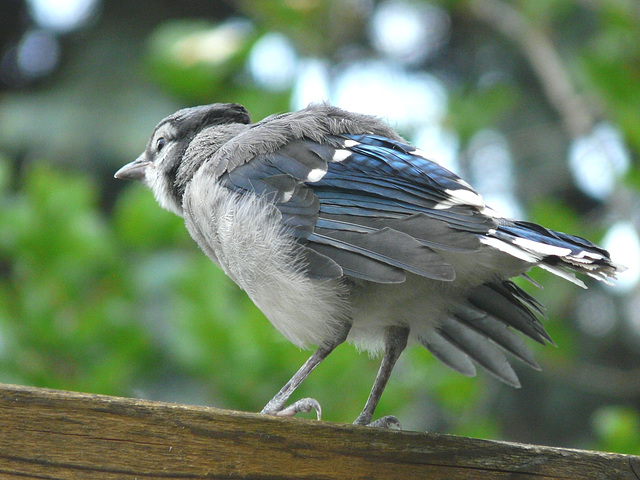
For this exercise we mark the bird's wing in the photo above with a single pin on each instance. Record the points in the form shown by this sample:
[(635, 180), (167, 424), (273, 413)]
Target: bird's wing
[(371, 206)]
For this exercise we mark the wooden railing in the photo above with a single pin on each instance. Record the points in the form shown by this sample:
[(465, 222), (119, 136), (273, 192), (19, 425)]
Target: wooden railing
[(49, 434)]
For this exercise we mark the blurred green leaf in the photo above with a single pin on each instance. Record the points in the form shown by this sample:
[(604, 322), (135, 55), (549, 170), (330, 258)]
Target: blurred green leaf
[(64, 302), (610, 65), (317, 27), (616, 85), (141, 224), (470, 111), (618, 429), (555, 215), (195, 58)]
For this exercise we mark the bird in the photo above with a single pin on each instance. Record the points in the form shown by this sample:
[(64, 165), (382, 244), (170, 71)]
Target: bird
[(340, 230)]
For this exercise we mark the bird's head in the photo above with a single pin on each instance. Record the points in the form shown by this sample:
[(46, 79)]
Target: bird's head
[(163, 166)]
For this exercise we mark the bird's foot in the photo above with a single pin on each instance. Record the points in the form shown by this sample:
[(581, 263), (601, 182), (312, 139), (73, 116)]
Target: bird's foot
[(389, 422), (304, 405)]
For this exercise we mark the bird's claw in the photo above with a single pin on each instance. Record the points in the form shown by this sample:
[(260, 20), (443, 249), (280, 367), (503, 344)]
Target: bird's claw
[(304, 405), (388, 422)]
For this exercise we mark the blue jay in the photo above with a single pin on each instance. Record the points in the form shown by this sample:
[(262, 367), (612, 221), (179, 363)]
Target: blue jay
[(338, 229)]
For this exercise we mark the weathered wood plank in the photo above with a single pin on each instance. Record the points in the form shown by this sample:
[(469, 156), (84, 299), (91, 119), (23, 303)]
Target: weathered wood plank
[(50, 434)]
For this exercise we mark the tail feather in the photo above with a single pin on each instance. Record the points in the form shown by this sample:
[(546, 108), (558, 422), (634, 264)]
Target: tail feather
[(481, 330), (559, 253), (497, 332), (477, 346), (510, 305), (448, 353)]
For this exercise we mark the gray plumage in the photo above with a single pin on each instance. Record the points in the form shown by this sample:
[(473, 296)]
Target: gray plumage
[(335, 227)]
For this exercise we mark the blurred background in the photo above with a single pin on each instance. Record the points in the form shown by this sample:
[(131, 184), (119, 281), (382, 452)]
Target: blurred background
[(537, 104)]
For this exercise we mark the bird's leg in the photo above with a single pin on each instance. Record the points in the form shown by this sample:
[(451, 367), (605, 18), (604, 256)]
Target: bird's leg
[(394, 343), (276, 404)]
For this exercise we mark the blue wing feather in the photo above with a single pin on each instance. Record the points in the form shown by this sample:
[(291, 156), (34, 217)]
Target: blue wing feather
[(342, 213), (401, 160)]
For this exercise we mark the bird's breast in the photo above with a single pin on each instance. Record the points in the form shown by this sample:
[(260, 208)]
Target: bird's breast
[(244, 235)]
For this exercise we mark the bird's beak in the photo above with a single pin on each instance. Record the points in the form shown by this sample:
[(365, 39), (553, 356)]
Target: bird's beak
[(134, 170)]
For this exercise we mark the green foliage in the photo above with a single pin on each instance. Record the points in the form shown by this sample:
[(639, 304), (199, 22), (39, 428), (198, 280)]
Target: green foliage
[(64, 286), (470, 110), (196, 59), (316, 27), (618, 429), (557, 216), (141, 225), (609, 65)]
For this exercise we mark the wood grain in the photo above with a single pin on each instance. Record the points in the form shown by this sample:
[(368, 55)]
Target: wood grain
[(48, 434)]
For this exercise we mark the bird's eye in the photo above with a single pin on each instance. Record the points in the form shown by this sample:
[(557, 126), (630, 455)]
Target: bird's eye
[(160, 144)]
